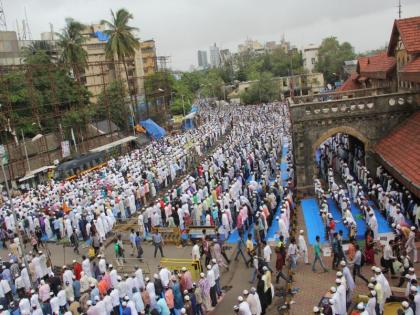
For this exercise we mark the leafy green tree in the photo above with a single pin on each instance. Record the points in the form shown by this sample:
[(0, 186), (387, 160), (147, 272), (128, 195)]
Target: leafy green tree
[(112, 105), (264, 90), (70, 40), (42, 87), (212, 84), (331, 57)]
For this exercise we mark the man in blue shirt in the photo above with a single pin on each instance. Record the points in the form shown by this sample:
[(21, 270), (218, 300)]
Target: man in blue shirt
[(158, 242), (137, 241)]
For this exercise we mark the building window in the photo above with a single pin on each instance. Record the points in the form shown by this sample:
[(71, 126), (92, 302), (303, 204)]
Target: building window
[(95, 46), (313, 61)]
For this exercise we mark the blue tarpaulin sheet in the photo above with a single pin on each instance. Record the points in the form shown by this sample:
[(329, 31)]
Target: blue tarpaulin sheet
[(153, 129), (101, 36)]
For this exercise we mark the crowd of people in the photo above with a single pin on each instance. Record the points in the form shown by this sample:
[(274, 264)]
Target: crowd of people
[(237, 186), (225, 175), (348, 183)]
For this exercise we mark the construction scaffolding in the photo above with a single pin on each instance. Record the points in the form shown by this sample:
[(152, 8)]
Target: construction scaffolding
[(47, 109)]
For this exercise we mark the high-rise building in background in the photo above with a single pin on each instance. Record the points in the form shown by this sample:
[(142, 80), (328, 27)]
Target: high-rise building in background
[(202, 59), (214, 56), (148, 51)]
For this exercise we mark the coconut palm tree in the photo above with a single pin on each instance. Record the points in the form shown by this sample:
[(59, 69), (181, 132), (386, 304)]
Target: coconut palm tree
[(70, 40), (122, 43)]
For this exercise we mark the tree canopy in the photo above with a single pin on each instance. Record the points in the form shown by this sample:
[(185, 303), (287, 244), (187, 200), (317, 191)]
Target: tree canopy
[(331, 57)]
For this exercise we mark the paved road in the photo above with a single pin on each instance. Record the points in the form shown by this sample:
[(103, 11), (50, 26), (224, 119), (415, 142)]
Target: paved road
[(237, 277)]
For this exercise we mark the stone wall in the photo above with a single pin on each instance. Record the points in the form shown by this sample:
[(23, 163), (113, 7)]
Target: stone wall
[(366, 118)]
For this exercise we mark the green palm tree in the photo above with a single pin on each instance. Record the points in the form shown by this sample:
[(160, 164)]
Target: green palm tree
[(70, 40), (122, 43)]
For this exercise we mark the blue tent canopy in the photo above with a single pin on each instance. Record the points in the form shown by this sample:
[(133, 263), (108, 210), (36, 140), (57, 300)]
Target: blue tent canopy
[(153, 129), (101, 36)]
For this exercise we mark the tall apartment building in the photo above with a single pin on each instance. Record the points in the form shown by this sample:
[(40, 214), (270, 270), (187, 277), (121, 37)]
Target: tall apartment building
[(101, 71), (202, 59), (148, 51), (214, 56)]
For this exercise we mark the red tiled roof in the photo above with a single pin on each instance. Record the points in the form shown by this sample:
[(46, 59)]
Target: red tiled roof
[(413, 66), (409, 30), (411, 71), (400, 152), (377, 66), (350, 84), (362, 63)]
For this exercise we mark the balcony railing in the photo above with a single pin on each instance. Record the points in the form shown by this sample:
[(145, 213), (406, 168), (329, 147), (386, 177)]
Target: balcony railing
[(354, 106), (325, 97)]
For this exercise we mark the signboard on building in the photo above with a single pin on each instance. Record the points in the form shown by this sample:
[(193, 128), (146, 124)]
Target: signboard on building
[(3, 154), (65, 148)]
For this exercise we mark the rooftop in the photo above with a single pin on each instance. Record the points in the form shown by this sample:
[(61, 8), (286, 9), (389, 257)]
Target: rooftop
[(409, 30), (400, 152), (377, 66), (350, 84)]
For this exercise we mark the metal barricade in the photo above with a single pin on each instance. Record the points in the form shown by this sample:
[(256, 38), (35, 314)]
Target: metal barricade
[(175, 265)]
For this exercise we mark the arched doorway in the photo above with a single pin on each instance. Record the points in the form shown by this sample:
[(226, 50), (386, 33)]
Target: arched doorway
[(337, 146)]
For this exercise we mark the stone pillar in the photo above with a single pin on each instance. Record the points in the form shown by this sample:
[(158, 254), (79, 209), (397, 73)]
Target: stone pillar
[(371, 163)]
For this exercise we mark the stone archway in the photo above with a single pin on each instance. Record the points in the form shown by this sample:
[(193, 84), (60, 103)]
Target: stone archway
[(341, 129)]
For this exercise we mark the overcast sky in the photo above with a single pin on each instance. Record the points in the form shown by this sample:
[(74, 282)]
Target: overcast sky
[(181, 27)]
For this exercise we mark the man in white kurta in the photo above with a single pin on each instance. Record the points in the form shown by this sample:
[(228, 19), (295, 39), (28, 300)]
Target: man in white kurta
[(303, 249)]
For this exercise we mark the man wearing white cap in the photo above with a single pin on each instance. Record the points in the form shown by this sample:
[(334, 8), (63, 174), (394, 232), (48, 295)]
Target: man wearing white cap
[(303, 249), (372, 306), (406, 308), (243, 306), (361, 308), (349, 280), (212, 283), (164, 275), (341, 298), (384, 283), (252, 302), (25, 306), (67, 275)]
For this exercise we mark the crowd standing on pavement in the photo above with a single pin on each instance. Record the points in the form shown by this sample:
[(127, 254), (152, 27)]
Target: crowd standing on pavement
[(349, 185), (237, 188)]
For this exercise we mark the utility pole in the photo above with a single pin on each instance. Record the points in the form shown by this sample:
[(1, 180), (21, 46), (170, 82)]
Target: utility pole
[(3, 24), (183, 107), (26, 151), (399, 9)]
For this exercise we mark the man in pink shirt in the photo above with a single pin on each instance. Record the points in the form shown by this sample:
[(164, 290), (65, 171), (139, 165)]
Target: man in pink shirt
[(44, 291)]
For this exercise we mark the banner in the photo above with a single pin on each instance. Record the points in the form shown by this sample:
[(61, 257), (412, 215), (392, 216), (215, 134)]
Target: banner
[(65, 148), (3, 154)]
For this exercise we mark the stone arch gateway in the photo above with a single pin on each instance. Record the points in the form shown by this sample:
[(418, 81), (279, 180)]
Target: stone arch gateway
[(365, 118)]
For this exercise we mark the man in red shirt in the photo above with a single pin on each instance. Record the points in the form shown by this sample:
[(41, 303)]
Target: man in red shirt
[(77, 269)]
